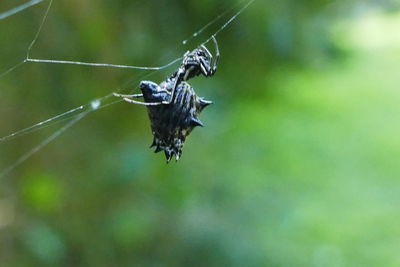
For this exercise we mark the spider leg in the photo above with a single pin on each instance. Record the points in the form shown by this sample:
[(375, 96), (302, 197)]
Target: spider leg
[(186, 74), (209, 70), (143, 103), (206, 51), (215, 62), (205, 69), (128, 96), (178, 79), (173, 89)]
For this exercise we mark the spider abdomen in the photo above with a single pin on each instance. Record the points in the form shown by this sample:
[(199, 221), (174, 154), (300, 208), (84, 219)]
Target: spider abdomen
[(172, 123)]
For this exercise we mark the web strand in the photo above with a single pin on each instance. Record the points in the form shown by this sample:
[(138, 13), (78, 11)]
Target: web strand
[(36, 35), (100, 64), (12, 69), (39, 147), (19, 8), (96, 104), (46, 14), (42, 123), (212, 22), (230, 20)]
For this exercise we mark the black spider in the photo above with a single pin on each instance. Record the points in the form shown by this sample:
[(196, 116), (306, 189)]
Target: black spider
[(173, 105)]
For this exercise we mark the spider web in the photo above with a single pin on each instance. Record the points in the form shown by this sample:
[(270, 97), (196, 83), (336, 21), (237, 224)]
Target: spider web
[(74, 115)]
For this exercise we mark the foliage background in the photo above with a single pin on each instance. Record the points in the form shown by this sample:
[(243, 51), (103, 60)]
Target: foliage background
[(298, 164)]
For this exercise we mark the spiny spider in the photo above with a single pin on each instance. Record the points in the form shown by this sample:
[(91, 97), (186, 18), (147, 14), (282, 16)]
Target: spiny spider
[(173, 105)]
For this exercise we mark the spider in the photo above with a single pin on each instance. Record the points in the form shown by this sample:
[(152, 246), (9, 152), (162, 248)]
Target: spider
[(173, 105)]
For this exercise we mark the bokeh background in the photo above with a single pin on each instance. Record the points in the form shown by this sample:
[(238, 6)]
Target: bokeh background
[(298, 164)]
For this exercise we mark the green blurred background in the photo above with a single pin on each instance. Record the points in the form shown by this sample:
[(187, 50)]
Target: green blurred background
[(298, 164)]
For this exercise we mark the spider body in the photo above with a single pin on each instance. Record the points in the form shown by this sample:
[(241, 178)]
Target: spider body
[(173, 105), (172, 123)]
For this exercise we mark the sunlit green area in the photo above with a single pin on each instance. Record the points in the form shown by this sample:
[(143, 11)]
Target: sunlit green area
[(297, 165)]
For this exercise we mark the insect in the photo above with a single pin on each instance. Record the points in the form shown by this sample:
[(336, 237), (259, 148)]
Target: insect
[(173, 106)]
